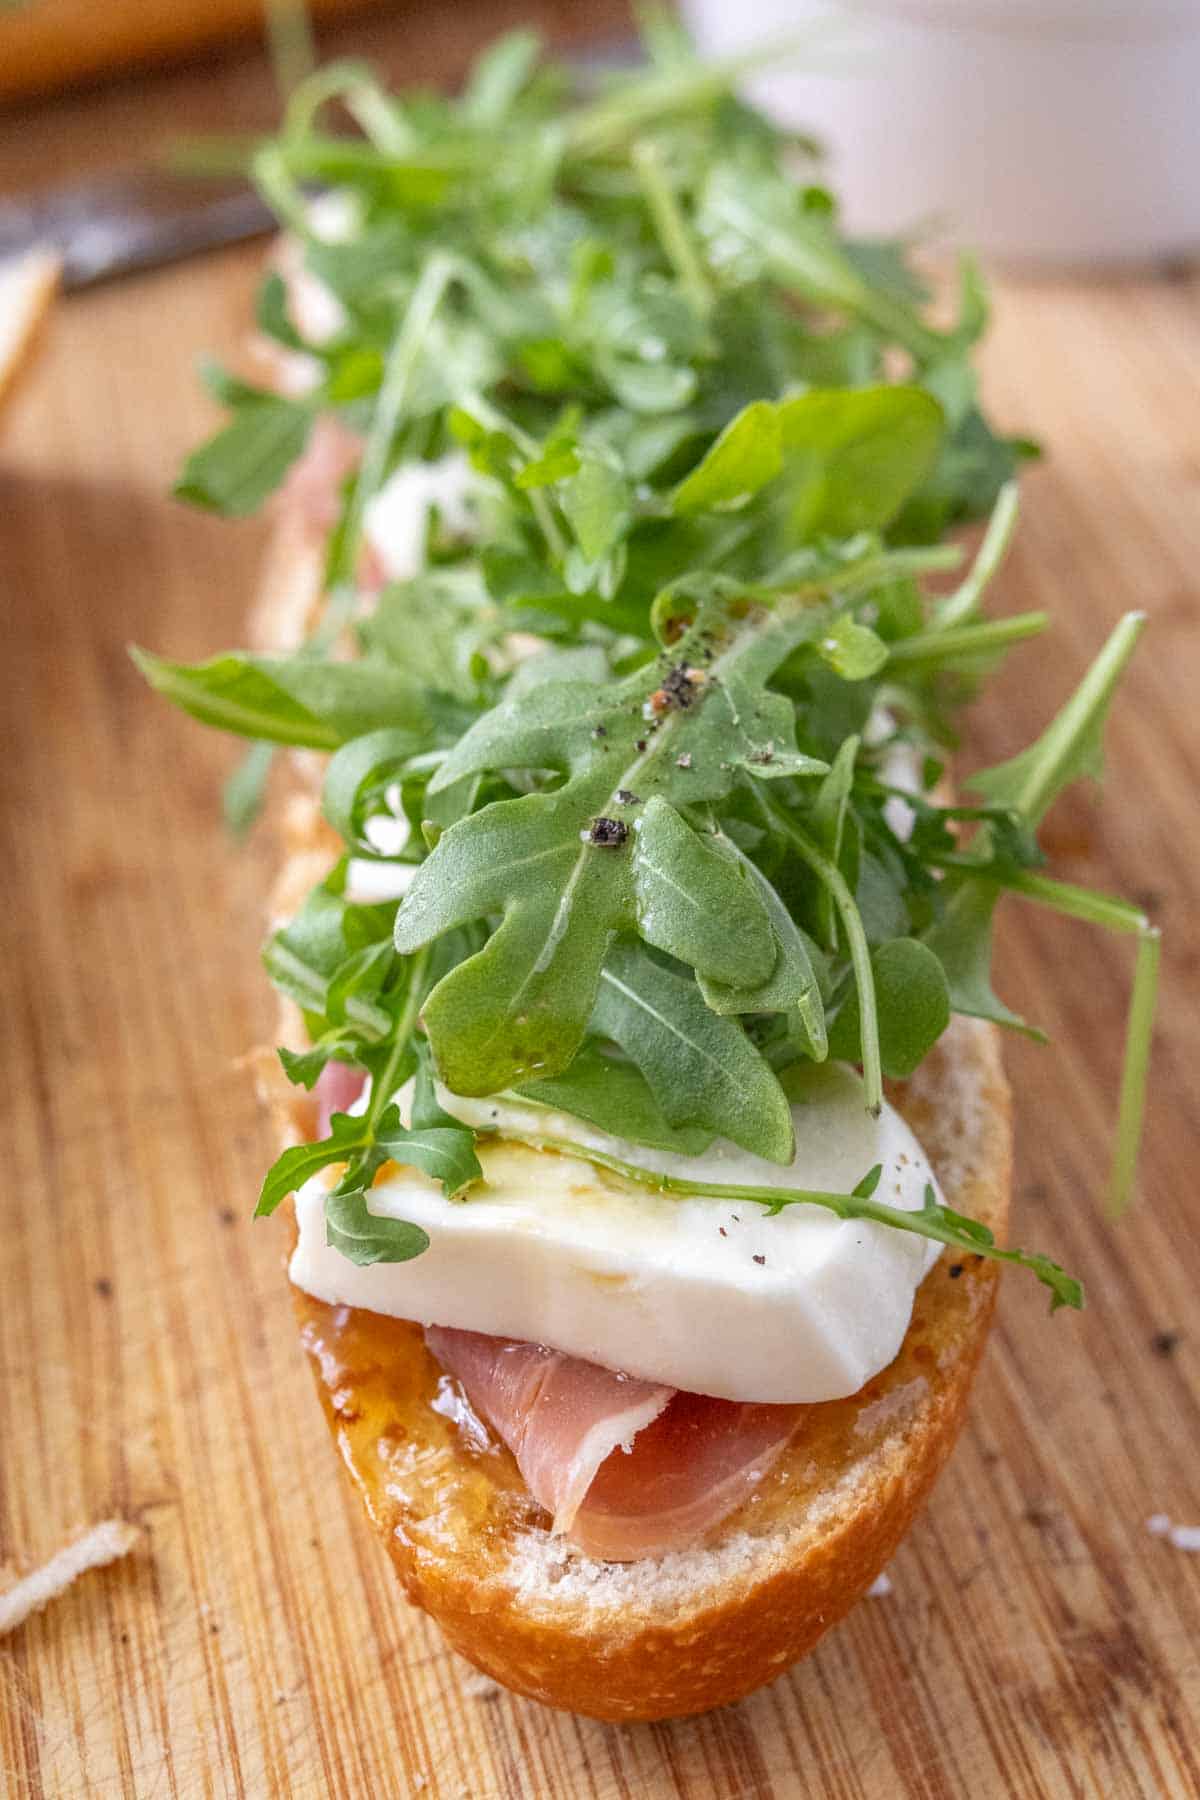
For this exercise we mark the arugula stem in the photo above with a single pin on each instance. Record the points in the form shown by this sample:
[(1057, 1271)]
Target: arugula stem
[(290, 44), (960, 606), (289, 971), (336, 81), (378, 116), (483, 410), (274, 181), (1060, 743), (870, 570), (856, 944), (671, 226), (547, 524), (1079, 903), (394, 389), (382, 1090), (1113, 915), (932, 1220), (1116, 915), (929, 648), (611, 121), (1139, 1033)]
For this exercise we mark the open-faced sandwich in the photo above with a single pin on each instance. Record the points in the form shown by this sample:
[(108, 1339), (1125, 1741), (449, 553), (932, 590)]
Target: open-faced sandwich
[(641, 1094)]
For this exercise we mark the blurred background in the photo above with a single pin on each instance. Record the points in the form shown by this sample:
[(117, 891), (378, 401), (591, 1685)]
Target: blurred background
[(1053, 132)]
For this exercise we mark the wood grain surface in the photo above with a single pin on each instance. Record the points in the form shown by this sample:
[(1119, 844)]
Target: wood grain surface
[(1038, 1641)]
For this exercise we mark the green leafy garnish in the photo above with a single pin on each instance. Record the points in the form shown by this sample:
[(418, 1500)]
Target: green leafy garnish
[(608, 850), (664, 707)]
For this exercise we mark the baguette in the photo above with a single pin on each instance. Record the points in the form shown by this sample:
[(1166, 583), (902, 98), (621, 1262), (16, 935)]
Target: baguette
[(698, 1628)]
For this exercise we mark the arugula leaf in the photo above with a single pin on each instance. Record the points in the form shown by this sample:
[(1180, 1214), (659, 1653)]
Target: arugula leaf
[(792, 987), (360, 768), (272, 317), (235, 471), (698, 482), (850, 457), (701, 1067), (754, 221), (1070, 746), (615, 1096), (302, 1161), (962, 942), (360, 978), (437, 1143), (696, 903), (561, 867), (364, 1237), (596, 501), (498, 76), (852, 651), (305, 958), (747, 455), (243, 793), (294, 700), (853, 457), (445, 1153), (303, 1067), (913, 1003)]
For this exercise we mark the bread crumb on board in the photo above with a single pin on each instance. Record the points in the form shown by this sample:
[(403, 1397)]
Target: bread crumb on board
[(1183, 1537), (481, 1687), (880, 1588), (100, 1544)]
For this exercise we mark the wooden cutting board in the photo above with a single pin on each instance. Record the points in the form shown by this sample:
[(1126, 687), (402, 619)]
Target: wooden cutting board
[(1037, 1640)]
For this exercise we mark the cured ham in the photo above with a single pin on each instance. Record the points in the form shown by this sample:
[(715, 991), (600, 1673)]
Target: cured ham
[(626, 1468), (336, 1088), (560, 1417), (312, 492), (687, 1471), (314, 482)]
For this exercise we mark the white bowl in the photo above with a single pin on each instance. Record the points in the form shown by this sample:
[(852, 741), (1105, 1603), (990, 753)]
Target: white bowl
[(1064, 132)]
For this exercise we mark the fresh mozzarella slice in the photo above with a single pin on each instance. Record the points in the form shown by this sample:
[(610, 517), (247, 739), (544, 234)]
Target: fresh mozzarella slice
[(902, 766), (388, 832), (370, 883), (395, 520), (712, 1296)]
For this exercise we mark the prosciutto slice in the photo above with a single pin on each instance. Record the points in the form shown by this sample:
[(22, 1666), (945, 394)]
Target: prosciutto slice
[(336, 1088), (627, 1468), (312, 492)]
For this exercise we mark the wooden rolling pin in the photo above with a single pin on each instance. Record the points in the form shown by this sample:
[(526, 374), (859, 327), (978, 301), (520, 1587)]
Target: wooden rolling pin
[(48, 45)]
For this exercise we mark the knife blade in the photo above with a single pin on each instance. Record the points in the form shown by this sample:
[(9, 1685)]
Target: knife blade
[(138, 219)]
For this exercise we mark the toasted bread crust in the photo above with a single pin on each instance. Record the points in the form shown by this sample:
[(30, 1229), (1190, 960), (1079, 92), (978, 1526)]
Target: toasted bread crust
[(700, 1628)]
